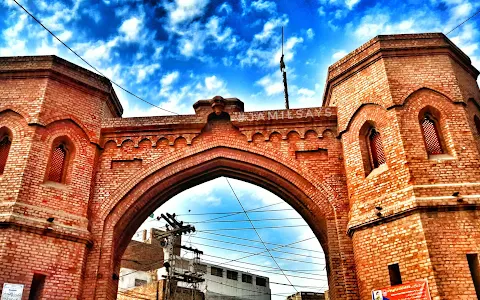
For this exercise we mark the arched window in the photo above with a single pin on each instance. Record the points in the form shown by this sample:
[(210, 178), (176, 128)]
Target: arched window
[(431, 135), (5, 143), (376, 148), (477, 124), (59, 159), (371, 147)]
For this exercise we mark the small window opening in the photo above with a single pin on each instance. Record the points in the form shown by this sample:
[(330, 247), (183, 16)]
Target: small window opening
[(58, 164), (477, 125), (232, 275), (376, 148), (261, 281), (217, 271), (5, 143), (38, 284), (431, 135), (394, 272), (474, 271), (140, 282), (246, 278)]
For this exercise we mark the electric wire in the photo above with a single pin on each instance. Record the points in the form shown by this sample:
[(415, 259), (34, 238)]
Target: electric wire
[(240, 221), (247, 252), (255, 241), (233, 214), (247, 256), (277, 273), (250, 246), (260, 238), (465, 21), (90, 65), (256, 228)]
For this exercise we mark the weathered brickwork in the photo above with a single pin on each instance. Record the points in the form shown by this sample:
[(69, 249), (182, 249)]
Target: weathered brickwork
[(416, 210)]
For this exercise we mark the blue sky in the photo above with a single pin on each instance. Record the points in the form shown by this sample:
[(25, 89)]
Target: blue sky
[(175, 52), (223, 236)]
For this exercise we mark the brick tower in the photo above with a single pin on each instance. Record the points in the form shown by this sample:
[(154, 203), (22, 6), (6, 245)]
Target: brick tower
[(408, 117), (51, 114)]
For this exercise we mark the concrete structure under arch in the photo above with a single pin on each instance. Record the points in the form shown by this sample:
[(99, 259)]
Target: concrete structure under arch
[(416, 211)]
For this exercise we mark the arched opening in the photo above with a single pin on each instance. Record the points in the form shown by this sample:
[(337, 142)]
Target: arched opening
[(476, 119), (235, 263), (5, 144), (371, 147), (137, 199), (429, 119), (59, 160)]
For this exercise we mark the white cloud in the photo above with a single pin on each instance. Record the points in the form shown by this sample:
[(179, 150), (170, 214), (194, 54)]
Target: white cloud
[(289, 50), (466, 39), (65, 35), (339, 54), (307, 97), (131, 28), (272, 83), (269, 56), (268, 6), (244, 7), (381, 23), (321, 11), (214, 29), (310, 33), (306, 92), (142, 71), (181, 11), (93, 13), (98, 52), (193, 41), (167, 81), (269, 27), (351, 3), (225, 7), (213, 83), (461, 11)]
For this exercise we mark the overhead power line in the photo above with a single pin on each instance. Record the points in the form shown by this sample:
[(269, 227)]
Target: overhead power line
[(232, 214), (235, 212), (242, 221), (259, 237), (254, 254), (247, 228), (258, 253), (238, 264), (465, 21), (277, 273), (269, 243), (255, 247), (90, 65)]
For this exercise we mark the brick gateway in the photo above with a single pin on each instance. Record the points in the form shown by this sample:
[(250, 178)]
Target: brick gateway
[(386, 173)]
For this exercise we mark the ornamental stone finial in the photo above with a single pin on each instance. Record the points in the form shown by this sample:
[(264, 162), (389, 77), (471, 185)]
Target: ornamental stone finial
[(218, 104)]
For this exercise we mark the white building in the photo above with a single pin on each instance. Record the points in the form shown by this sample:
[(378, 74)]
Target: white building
[(130, 278), (142, 261), (224, 283)]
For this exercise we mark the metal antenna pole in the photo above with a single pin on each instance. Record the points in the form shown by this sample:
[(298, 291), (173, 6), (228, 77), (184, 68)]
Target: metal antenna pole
[(284, 73)]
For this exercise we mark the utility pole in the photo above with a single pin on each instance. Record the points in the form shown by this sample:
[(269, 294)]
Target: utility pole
[(284, 73), (174, 230)]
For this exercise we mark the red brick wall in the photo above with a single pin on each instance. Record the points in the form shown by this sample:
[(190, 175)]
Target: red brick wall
[(450, 236), (24, 253), (392, 207)]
